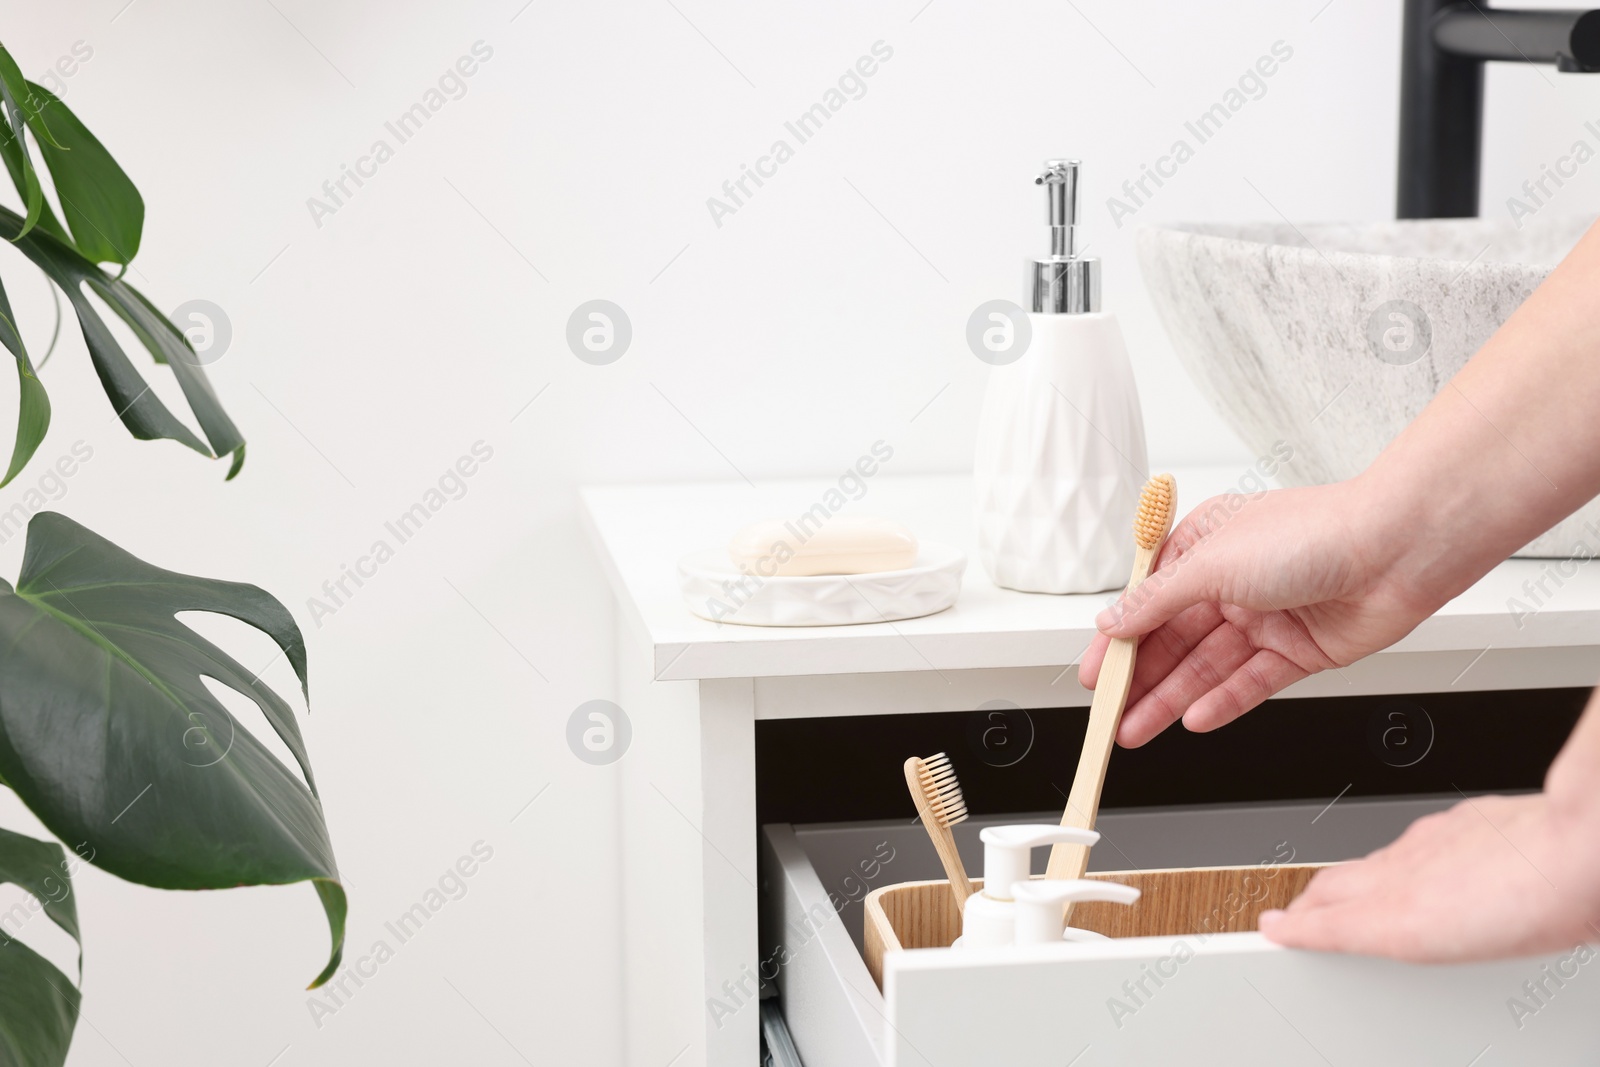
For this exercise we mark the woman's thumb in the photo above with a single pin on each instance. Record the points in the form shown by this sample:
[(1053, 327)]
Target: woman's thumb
[(1160, 597)]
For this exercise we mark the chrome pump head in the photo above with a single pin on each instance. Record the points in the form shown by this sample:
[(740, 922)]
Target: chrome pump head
[(1065, 283)]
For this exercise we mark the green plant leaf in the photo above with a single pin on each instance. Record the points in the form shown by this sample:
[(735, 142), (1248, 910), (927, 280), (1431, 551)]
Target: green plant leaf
[(98, 199), (33, 412), (14, 149), (141, 411), (38, 1004), (42, 868), (11, 77), (25, 175), (110, 737), (38, 1008), (168, 345), (22, 109)]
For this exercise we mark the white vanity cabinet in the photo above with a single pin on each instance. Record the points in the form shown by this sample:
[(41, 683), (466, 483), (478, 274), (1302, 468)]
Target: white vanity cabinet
[(701, 876)]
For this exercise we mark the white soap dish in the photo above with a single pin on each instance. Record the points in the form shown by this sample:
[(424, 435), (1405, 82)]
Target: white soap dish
[(714, 589)]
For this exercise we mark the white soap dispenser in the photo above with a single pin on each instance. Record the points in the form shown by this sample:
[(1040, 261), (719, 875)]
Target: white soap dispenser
[(989, 917), (1061, 452), (1041, 907)]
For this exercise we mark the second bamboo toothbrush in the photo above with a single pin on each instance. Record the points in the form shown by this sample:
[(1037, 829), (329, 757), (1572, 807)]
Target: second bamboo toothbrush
[(1151, 524), (933, 786)]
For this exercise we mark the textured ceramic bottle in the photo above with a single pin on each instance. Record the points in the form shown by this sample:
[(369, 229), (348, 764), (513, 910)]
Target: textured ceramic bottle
[(1061, 454)]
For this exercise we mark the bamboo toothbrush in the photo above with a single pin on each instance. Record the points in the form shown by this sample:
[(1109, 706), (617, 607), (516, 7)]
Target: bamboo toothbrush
[(938, 795), (1151, 525)]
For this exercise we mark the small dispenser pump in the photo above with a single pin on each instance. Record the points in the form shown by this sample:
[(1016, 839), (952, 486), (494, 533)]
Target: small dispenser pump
[(1041, 907), (1065, 283), (989, 917)]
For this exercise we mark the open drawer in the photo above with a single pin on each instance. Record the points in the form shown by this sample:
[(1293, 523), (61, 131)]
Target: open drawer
[(1195, 997)]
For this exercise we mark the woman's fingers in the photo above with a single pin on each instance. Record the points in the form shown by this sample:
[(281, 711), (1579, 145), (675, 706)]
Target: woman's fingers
[(1159, 651), (1089, 663), (1350, 926), (1260, 676), (1220, 679), (1204, 653), (1215, 657), (1177, 583), (1164, 648), (1341, 882)]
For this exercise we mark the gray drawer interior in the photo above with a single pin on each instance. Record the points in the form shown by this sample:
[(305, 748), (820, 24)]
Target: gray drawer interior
[(851, 859)]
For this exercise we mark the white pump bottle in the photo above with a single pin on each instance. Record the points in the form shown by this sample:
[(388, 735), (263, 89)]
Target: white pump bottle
[(1061, 452), (990, 916)]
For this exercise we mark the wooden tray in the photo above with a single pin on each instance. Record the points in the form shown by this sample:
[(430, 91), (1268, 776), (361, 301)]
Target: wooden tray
[(1196, 900)]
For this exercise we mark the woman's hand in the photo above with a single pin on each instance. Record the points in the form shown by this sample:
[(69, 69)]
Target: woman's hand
[(1254, 593), (1491, 877)]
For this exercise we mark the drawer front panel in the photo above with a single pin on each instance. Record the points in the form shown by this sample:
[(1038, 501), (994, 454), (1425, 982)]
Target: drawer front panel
[(1234, 999)]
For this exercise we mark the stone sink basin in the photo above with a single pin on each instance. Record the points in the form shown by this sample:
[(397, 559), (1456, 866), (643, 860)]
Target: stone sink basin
[(1331, 338)]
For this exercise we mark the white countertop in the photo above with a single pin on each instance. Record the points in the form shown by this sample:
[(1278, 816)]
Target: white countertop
[(641, 531)]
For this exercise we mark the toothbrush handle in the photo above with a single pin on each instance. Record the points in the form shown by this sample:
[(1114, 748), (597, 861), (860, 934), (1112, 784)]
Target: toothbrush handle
[(944, 843), (1083, 803), (1105, 713)]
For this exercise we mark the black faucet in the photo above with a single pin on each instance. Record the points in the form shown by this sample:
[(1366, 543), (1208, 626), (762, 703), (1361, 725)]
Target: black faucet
[(1443, 50)]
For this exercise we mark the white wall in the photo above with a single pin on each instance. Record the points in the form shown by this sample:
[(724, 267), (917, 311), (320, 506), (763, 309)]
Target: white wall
[(379, 346)]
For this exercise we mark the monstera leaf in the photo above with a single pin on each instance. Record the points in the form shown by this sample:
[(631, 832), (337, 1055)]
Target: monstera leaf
[(38, 1004), (33, 403), (105, 214), (110, 736), (98, 199), (22, 112), (140, 410)]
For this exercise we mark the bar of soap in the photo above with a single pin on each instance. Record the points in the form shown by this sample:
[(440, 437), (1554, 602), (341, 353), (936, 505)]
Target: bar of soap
[(838, 545)]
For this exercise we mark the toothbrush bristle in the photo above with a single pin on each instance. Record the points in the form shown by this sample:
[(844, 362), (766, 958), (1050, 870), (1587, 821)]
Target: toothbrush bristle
[(1154, 517), (941, 790)]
